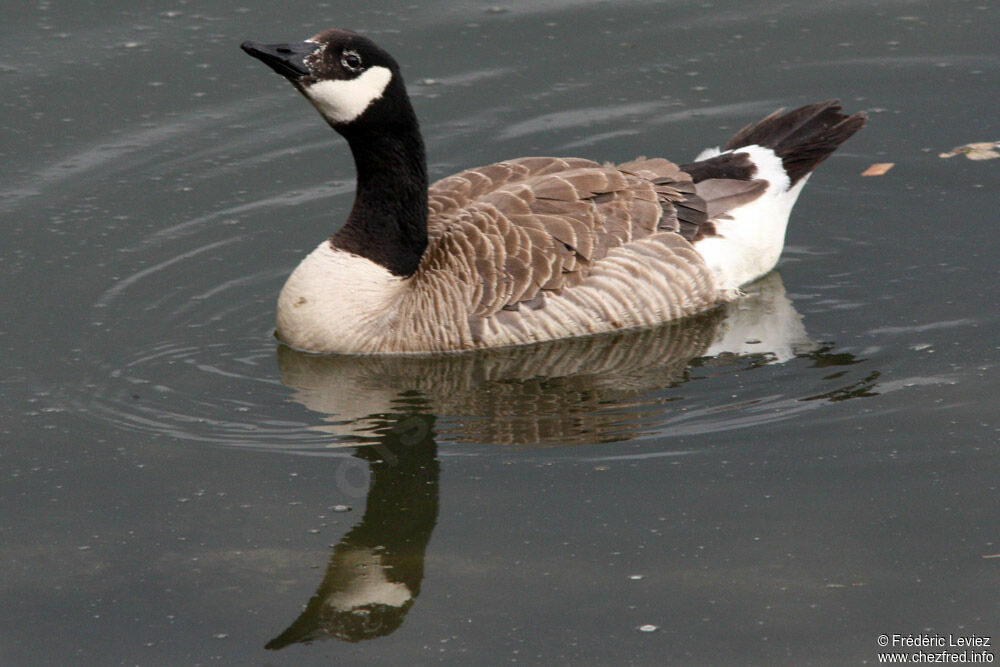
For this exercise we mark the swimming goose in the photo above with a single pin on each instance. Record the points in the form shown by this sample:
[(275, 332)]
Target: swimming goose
[(530, 249)]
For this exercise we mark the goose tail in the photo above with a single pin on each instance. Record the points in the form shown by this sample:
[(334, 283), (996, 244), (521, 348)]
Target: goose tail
[(778, 153)]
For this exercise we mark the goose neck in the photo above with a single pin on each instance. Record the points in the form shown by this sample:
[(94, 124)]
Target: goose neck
[(388, 222)]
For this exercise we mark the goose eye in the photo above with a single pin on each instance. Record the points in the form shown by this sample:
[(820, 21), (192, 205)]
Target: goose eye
[(351, 60)]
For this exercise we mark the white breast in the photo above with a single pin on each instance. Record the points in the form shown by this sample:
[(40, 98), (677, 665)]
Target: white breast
[(334, 301)]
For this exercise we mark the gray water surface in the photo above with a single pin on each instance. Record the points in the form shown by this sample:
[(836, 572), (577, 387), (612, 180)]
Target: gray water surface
[(777, 482)]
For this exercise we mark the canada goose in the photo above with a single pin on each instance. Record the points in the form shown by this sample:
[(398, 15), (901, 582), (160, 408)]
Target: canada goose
[(530, 249)]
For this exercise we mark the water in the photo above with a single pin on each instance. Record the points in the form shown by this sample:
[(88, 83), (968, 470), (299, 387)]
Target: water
[(779, 482)]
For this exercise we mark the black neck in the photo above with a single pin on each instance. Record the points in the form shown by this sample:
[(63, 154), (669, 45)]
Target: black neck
[(388, 223)]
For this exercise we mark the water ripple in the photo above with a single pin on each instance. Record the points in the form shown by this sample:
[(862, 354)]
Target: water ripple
[(205, 376)]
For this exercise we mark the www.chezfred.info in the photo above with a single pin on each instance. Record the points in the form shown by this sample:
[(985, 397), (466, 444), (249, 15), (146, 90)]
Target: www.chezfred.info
[(935, 648)]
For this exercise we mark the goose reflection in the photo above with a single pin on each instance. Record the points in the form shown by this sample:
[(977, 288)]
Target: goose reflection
[(584, 390), (376, 569), (566, 392)]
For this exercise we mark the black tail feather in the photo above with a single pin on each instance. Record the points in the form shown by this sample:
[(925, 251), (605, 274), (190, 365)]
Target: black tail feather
[(803, 137)]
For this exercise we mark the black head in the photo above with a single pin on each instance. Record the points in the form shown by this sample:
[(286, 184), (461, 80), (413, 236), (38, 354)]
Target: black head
[(347, 77)]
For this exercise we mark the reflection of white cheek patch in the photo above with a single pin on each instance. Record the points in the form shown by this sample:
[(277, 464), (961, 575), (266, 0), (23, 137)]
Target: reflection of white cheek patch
[(343, 101)]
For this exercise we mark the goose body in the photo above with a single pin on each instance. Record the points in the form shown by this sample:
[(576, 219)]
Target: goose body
[(531, 249)]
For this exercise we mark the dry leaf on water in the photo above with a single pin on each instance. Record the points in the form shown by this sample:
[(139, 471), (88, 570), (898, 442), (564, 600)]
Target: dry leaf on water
[(980, 150), (878, 169)]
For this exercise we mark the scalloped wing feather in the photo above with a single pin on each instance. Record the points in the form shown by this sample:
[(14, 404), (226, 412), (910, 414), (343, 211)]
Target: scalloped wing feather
[(548, 247)]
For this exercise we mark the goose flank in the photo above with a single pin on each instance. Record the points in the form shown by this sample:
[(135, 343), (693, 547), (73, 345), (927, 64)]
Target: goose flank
[(530, 249)]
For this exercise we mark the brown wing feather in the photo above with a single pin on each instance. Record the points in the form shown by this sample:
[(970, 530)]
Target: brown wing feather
[(514, 231)]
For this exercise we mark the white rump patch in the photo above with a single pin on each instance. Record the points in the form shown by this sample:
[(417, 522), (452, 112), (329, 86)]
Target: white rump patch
[(341, 101), (751, 238)]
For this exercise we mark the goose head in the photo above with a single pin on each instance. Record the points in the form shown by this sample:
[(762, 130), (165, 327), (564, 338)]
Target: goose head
[(350, 80), (358, 89)]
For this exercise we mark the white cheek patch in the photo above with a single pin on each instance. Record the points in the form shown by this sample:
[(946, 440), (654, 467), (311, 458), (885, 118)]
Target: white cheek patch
[(343, 101)]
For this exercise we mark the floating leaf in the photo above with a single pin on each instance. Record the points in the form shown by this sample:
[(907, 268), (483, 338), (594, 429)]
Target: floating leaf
[(980, 150), (878, 169)]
